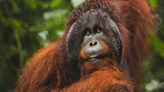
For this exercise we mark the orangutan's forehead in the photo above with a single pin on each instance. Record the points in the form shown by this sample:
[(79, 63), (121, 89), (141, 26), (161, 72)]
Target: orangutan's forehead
[(106, 6)]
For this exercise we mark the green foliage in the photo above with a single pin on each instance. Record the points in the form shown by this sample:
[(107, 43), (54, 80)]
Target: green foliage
[(33, 4), (154, 71), (75, 3), (157, 44), (153, 3), (52, 4), (28, 25)]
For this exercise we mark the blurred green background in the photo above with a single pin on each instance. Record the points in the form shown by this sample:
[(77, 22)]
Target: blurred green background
[(28, 25)]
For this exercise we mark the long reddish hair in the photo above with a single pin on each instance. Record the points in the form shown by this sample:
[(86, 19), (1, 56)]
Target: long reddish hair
[(50, 68)]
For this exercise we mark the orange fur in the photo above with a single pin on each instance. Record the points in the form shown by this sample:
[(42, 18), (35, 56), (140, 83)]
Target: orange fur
[(104, 80), (50, 70)]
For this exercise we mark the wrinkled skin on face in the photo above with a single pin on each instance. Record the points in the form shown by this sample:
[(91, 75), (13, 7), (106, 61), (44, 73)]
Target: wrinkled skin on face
[(93, 32)]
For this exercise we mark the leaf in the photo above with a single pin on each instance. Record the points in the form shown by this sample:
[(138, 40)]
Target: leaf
[(153, 3), (13, 3), (15, 25), (3, 19), (158, 44), (32, 3), (52, 4), (55, 2)]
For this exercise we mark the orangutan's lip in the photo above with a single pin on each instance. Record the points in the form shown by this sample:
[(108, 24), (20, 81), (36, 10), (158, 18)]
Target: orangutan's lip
[(96, 57)]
